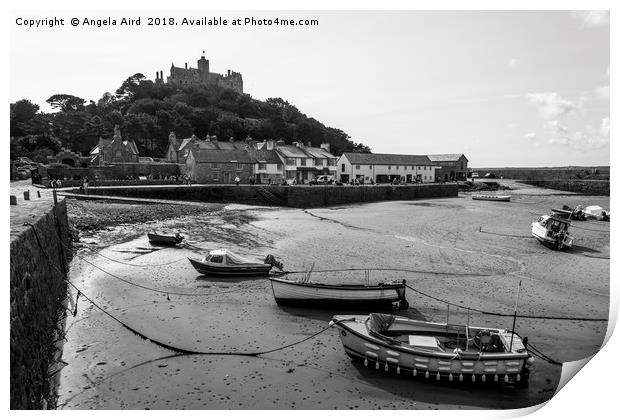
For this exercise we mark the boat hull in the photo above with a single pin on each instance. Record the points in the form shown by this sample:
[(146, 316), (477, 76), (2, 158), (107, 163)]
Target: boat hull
[(491, 197), (540, 233), (230, 271), (163, 239), (288, 293), (465, 366)]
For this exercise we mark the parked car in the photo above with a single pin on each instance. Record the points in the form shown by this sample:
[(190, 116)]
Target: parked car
[(322, 180), (490, 175), (475, 175)]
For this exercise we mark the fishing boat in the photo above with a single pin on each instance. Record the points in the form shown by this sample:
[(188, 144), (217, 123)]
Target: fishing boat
[(223, 262), (311, 294), (597, 212), (552, 231), (435, 350), (164, 238), (490, 197)]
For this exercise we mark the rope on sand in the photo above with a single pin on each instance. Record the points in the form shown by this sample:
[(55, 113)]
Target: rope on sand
[(506, 315)]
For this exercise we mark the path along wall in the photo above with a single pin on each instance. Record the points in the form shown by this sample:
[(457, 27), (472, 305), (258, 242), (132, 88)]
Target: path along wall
[(292, 196), (37, 295)]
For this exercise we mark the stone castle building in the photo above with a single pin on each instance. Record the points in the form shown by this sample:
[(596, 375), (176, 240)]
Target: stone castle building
[(189, 76)]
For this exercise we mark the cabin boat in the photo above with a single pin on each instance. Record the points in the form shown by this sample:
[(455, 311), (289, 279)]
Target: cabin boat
[(596, 212), (164, 238), (568, 213), (490, 197), (223, 262), (435, 350), (310, 294), (552, 231)]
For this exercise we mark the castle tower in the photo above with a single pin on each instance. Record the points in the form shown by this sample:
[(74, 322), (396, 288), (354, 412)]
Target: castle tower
[(203, 68)]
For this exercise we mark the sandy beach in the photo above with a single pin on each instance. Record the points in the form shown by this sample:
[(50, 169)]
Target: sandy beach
[(479, 250)]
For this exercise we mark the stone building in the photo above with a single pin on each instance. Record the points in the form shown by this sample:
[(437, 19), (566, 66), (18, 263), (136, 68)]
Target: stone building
[(385, 168), (214, 166), (69, 158), (451, 167), (201, 76), (114, 150)]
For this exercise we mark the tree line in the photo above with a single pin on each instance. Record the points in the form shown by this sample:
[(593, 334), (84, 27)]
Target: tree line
[(147, 112)]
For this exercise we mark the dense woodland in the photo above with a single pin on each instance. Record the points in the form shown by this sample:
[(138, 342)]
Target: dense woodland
[(147, 112)]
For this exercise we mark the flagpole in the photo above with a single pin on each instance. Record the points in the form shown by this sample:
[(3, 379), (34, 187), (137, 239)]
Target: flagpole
[(514, 320)]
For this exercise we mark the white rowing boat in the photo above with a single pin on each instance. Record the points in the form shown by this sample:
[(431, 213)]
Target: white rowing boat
[(297, 293), (490, 197)]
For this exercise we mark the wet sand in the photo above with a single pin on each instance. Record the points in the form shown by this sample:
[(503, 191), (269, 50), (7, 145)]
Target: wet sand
[(111, 367)]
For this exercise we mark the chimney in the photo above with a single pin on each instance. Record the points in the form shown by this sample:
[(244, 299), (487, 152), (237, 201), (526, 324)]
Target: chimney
[(271, 144), (185, 66), (325, 146)]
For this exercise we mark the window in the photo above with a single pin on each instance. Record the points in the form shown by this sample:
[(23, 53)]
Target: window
[(357, 166), (291, 161), (215, 166), (425, 168), (405, 167), (331, 162), (389, 167), (239, 165), (262, 166), (369, 166), (343, 167), (302, 162), (218, 259), (279, 167)]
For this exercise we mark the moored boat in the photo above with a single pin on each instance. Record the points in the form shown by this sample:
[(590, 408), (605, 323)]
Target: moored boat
[(164, 238), (490, 197), (435, 350), (311, 294), (552, 231), (222, 262)]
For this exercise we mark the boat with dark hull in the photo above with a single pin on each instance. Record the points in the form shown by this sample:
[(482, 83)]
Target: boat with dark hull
[(310, 294), (435, 350), (164, 238), (222, 262)]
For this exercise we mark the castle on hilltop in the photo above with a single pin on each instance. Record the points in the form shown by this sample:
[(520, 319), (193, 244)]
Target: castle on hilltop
[(201, 77)]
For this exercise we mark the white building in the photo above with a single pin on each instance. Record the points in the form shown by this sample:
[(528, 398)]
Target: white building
[(384, 168), (303, 163)]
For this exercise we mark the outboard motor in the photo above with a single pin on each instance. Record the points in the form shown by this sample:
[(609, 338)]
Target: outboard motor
[(271, 260)]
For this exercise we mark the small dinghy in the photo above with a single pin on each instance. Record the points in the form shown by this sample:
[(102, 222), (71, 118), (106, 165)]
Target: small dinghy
[(552, 231), (310, 294), (490, 197), (222, 262), (164, 238), (435, 350)]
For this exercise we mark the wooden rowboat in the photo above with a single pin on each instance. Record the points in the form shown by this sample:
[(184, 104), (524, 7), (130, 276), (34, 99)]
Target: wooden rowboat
[(435, 350), (164, 239), (490, 197), (295, 293), (222, 262)]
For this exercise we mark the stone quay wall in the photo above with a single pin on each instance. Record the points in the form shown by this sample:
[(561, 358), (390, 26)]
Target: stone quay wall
[(37, 294), (299, 196)]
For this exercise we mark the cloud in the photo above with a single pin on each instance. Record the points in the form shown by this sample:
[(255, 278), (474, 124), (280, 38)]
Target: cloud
[(602, 92), (592, 18), (530, 136), (513, 62), (550, 105), (588, 140)]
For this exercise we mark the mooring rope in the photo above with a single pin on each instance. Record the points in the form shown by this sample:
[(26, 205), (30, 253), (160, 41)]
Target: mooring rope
[(138, 265), (505, 315)]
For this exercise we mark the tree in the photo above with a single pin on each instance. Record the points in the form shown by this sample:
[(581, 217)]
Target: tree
[(130, 86), (66, 103), (22, 112)]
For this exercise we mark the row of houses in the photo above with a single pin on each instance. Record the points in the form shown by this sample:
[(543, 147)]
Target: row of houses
[(213, 161)]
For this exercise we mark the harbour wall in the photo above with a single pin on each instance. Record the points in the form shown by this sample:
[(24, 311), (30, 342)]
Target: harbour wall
[(582, 186), (37, 293), (299, 196), (538, 174)]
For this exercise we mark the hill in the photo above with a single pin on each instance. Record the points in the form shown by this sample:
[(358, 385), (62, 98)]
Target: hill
[(147, 112)]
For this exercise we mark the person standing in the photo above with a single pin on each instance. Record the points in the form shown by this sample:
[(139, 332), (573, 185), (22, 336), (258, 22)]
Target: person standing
[(237, 180), (85, 185)]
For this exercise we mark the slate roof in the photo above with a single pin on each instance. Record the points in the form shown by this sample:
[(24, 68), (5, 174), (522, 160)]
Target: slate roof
[(291, 151), (317, 152), (222, 156), (386, 159), (265, 156), (446, 158)]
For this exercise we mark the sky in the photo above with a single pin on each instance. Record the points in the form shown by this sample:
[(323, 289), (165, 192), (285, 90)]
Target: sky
[(507, 88)]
